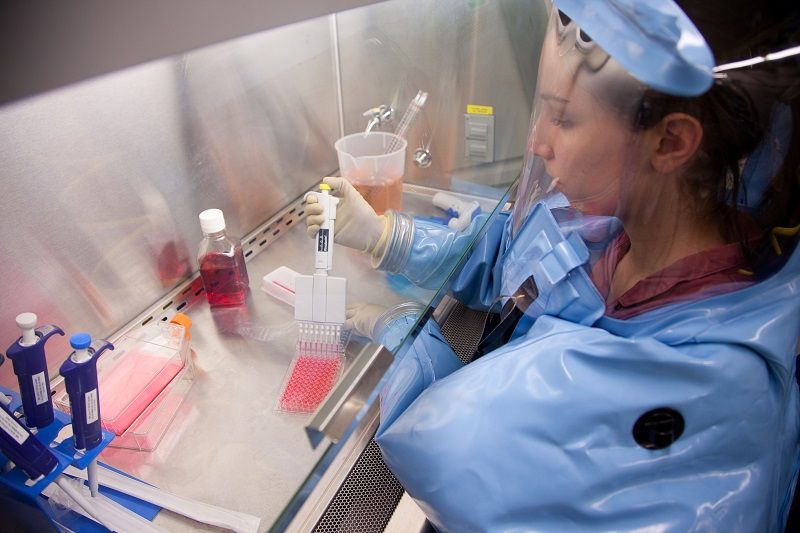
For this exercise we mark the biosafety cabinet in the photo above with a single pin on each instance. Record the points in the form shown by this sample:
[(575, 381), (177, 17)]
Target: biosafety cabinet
[(121, 121)]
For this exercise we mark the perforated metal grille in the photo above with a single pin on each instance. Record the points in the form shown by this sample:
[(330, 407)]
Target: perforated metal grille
[(366, 500), (463, 329)]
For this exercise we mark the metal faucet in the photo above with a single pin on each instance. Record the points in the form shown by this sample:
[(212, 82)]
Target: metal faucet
[(378, 116)]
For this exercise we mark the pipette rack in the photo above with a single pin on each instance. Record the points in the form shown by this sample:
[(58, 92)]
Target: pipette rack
[(29, 509)]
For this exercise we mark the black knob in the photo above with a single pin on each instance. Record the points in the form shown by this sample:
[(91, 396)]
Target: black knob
[(658, 428)]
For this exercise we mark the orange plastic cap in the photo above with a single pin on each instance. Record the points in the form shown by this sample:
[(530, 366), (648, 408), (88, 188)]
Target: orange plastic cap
[(185, 321)]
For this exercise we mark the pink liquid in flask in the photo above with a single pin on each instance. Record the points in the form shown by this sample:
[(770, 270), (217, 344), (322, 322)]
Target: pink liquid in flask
[(132, 386), (224, 278)]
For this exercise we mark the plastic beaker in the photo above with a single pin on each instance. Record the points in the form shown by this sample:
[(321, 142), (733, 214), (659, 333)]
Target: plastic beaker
[(376, 174)]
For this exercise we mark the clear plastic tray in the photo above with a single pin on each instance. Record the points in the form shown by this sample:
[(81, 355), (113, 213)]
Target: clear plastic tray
[(146, 431), (141, 383)]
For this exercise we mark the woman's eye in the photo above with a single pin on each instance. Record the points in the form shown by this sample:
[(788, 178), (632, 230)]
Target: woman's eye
[(561, 122)]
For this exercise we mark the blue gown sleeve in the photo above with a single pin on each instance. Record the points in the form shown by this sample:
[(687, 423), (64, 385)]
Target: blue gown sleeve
[(433, 250), (429, 358), (537, 436)]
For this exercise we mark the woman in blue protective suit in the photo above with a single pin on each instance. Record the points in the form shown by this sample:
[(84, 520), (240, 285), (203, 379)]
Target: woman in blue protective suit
[(641, 373)]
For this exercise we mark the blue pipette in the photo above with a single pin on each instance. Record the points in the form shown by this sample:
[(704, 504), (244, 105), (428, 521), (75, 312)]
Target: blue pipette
[(30, 366), (80, 377), (19, 445)]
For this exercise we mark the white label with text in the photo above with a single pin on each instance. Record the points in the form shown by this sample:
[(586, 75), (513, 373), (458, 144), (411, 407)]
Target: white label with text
[(90, 398), (40, 388), (11, 427)]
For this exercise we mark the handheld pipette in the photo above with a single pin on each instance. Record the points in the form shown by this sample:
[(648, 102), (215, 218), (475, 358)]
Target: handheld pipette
[(36, 461), (30, 366), (23, 449), (5, 400), (320, 299), (80, 377), (323, 255)]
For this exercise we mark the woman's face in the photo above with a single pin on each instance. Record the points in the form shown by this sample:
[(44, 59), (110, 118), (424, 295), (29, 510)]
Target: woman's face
[(585, 147), (582, 141)]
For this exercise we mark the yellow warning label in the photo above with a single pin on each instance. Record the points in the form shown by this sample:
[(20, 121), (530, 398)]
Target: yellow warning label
[(480, 109)]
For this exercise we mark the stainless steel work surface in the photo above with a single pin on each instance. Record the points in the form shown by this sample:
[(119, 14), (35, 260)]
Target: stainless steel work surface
[(229, 445)]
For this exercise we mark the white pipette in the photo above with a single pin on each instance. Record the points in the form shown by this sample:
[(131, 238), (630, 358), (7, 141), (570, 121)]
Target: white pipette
[(320, 299)]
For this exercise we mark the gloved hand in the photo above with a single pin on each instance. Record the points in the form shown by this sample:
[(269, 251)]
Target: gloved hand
[(357, 225), (362, 318)]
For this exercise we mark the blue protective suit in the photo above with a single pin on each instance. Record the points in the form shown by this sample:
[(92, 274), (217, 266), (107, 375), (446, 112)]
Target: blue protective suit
[(537, 435)]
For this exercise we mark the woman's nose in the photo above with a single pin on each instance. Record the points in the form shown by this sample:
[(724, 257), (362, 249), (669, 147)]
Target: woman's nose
[(539, 141), (543, 150)]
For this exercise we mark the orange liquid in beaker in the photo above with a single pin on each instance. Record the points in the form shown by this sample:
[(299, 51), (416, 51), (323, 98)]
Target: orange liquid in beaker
[(382, 195)]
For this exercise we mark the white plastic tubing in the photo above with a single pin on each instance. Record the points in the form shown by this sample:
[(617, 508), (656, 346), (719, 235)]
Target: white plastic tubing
[(199, 511), (100, 509)]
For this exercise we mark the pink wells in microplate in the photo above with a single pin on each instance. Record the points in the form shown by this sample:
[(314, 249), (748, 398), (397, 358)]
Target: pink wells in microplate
[(310, 380)]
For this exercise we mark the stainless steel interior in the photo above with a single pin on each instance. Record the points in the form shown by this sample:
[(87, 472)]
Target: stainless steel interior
[(103, 180), (229, 431)]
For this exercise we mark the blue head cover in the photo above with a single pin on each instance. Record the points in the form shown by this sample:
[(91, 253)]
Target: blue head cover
[(653, 40)]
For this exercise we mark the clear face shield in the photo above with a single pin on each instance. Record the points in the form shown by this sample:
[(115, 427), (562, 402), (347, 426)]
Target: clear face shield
[(631, 124), (583, 147)]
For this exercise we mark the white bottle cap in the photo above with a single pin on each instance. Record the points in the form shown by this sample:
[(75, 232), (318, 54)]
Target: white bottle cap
[(212, 221)]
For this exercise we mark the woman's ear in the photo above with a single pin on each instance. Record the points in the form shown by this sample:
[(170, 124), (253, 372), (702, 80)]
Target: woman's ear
[(679, 137)]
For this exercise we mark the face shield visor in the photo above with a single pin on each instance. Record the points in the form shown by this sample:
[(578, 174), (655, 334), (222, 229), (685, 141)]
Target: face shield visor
[(586, 146), (581, 145), (687, 164)]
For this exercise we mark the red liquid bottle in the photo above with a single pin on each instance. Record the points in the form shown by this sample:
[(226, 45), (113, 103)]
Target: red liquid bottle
[(221, 262)]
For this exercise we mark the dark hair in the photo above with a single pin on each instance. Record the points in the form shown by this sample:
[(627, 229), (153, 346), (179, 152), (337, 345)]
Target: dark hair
[(736, 111), (731, 131)]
